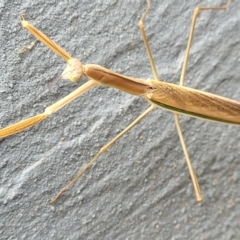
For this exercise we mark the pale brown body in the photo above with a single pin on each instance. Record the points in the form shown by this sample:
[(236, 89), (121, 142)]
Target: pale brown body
[(180, 99), (175, 98), (195, 103)]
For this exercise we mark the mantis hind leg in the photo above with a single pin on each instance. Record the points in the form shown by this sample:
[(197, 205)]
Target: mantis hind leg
[(184, 67), (182, 78), (192, 173)]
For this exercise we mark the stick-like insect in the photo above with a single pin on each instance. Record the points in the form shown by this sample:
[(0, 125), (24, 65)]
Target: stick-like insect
[(175, 98)]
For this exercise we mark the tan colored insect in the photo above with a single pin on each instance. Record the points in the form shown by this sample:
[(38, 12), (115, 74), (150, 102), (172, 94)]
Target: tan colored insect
[(175, 98)]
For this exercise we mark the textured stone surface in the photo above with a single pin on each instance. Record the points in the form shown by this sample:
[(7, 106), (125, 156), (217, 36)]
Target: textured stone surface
[(140, 188)]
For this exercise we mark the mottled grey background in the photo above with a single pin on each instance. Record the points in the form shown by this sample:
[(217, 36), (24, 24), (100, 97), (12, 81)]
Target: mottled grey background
[(140, 188)]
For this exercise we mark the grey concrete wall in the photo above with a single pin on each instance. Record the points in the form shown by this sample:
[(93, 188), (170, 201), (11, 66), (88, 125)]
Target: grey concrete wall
[(140, 188)]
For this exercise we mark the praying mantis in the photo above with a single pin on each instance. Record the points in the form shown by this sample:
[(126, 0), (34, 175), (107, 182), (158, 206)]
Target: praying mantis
[(150, 90)]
